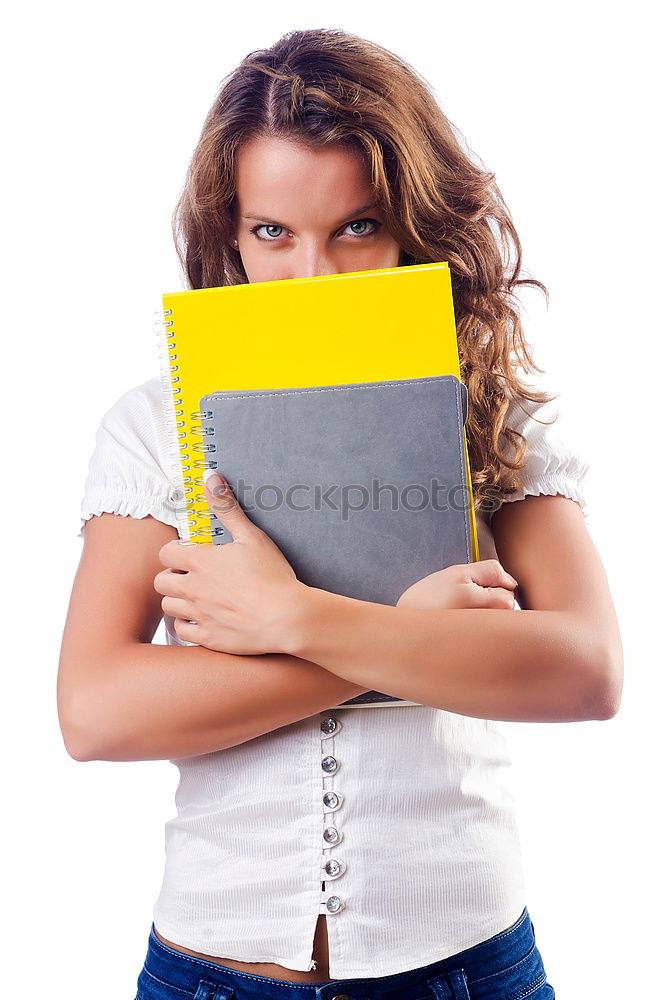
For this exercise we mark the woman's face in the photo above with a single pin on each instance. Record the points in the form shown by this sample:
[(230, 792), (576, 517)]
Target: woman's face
[(301, 212)]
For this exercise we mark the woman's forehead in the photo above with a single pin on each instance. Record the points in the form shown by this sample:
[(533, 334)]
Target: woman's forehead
[(274, 174)]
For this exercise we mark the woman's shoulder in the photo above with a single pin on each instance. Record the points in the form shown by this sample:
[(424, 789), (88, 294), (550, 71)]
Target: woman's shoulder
[(134, 427), (129, 469), (545, 426), (139, 408), (553, 462)]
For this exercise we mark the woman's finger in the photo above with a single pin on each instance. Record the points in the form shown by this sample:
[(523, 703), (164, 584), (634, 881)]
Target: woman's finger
[(178, 608), (170, 583), (490, 573), (494, 597), (187, 632)]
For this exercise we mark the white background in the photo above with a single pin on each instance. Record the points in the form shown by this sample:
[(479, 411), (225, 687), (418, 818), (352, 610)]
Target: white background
[(102, 108)]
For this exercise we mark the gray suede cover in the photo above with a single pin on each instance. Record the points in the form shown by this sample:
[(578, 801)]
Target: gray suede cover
[(362, 486)]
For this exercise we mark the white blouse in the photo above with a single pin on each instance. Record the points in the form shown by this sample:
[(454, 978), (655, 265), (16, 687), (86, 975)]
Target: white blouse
[(324, 815)]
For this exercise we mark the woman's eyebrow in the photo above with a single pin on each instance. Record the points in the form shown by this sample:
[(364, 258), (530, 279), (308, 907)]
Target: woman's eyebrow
[(347, 218)]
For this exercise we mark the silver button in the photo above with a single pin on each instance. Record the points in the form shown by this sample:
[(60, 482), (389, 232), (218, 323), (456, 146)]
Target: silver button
[(331, 800), (332, 835), (329, 725), (335, 904), (333, 868), (329, 764)]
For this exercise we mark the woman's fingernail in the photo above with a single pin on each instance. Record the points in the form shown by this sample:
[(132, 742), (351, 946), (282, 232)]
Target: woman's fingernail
[(214, 481)]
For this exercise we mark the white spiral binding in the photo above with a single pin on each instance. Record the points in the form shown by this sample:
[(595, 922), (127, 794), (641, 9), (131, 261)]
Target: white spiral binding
[(182, 495)]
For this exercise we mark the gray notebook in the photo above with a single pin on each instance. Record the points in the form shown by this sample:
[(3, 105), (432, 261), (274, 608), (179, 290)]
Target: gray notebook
[(362, 486)]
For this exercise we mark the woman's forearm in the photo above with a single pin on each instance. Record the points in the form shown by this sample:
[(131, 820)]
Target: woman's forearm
[(522, 666), (153, 702)]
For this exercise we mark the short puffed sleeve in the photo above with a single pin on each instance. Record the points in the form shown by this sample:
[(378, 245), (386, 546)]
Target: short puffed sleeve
[(128, 472), (551, 466)]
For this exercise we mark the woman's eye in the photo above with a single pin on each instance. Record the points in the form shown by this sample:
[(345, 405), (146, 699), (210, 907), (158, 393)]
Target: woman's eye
[(255, 229), (362, 222), (273, 237)]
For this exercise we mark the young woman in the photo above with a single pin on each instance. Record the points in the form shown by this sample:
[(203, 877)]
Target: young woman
[(353, 852)]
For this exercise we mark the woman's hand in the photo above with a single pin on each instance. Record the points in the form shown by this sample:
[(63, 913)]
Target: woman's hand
[(233, 598), (483, 584)]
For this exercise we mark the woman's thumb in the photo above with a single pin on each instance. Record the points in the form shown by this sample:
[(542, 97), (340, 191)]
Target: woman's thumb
[(224, 504)]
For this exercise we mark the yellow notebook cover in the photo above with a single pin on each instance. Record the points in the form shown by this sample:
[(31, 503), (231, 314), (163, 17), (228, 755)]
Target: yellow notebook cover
[(361, 326)]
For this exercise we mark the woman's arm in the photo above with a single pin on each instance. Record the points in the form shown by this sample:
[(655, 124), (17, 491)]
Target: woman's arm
[(122, 698), (559, 659)]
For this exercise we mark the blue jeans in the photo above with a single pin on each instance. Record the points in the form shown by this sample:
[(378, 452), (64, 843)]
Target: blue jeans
[(507, 966)]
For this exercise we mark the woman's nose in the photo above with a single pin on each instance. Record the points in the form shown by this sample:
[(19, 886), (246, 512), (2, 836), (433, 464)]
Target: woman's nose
[(312, 261)]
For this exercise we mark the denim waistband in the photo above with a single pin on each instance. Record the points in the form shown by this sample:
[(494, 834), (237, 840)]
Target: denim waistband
[(480, 967)]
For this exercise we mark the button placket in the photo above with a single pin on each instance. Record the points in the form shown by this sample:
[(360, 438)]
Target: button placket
[(332, 866)]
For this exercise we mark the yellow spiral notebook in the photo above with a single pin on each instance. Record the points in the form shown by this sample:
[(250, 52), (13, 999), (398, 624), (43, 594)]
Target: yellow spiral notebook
[(341, 329)]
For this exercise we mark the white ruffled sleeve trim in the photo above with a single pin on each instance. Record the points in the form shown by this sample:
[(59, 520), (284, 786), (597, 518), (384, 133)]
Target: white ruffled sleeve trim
[(128, 469), (551, 467), (107, 499)]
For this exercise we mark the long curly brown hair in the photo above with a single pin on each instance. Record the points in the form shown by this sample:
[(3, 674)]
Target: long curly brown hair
[(325, 86)]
